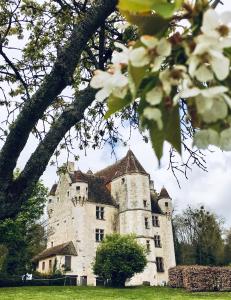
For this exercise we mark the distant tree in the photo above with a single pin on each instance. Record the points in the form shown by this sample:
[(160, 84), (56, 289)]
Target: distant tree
[(227, 250), (23, 237), (198, 238), (118, 258)]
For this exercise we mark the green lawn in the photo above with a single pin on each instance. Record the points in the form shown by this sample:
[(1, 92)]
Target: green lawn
[(88, 293)]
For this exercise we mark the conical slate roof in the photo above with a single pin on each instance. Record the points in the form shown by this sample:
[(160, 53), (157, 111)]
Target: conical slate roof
[(127, 165), (163, 194)]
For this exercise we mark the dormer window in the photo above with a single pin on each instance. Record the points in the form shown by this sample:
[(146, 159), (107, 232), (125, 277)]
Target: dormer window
[(166, 204)]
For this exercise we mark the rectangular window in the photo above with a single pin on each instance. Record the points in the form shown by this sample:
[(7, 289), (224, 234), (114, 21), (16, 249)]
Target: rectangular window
[(50, 264), (160, 264), (146, 223), (78, 188), (67, 263), (148, 245), (145, 203), (155, 221), (166, 204), (43, 265), (99, 212), (99, 235), (157, 241)]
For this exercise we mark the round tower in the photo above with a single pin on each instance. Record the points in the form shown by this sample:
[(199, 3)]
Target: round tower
[(165, 202)]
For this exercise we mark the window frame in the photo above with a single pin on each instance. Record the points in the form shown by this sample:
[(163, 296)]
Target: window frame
[(99, 235), (155, 221), (160, 264), (100, 213), (157, 241), (146, 223)]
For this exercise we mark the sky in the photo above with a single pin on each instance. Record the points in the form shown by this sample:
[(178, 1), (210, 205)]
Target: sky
[(211, 189)]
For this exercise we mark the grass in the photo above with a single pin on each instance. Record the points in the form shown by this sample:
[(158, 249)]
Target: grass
[(91, 293)]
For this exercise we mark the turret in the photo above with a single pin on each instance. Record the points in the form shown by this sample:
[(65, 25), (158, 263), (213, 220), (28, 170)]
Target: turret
[(79, 191), (165, 202)]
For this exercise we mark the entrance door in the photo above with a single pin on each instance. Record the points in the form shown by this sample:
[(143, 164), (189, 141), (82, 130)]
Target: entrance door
[(83, 280)]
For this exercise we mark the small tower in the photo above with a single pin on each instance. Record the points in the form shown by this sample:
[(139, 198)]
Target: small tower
[(165, 202), (79, 188)]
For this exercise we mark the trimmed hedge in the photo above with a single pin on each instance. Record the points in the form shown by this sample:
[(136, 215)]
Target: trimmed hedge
[(15, 281), (200, 278)]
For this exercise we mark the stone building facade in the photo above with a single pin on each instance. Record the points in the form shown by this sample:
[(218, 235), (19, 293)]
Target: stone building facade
[(84, 207)]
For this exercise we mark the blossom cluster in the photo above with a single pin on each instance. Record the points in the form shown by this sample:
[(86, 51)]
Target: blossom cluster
[(200, 78)]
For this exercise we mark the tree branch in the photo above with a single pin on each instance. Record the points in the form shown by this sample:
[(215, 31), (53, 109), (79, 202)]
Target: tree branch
[(53, 84), (36, 165)]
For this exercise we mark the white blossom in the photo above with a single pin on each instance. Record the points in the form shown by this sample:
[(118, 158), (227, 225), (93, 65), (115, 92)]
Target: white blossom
[(154, 96), (206, 137), (151, 113), (206, 60), (172, 77), (121, 57), (111, 82), (225, 139), (154, 52), (217, 27), (212, 103)]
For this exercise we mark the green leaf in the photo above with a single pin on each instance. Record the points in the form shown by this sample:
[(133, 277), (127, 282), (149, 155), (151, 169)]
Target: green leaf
[(135, 77), (157, 139), (150, 24), (162, 7), (135, 5), (116, 104), (172, 127)]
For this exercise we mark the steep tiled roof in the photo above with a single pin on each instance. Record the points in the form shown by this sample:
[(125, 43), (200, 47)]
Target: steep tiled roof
[(53, 189), (127, 165), (97, 191), (78, 176), (63, 249), (163, 194)]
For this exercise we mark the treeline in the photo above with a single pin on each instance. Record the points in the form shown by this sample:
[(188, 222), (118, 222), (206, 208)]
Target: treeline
[(22, 238), (200, 238)]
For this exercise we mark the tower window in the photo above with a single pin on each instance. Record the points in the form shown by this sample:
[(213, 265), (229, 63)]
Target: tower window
[(146, 223), (68, 193), (160, 264), (99, 235), (78, 188), (157, 241), (155, 221), (166, 204), (145, 203), (123, 180), (99, 213), (52, 244), (148, 245)]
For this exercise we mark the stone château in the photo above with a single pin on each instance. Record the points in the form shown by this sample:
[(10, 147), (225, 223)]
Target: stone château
[(84, 207)]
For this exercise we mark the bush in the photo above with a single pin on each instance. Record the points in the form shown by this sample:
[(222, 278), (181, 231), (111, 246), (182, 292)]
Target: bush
[(201, 278), (118, 258)]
